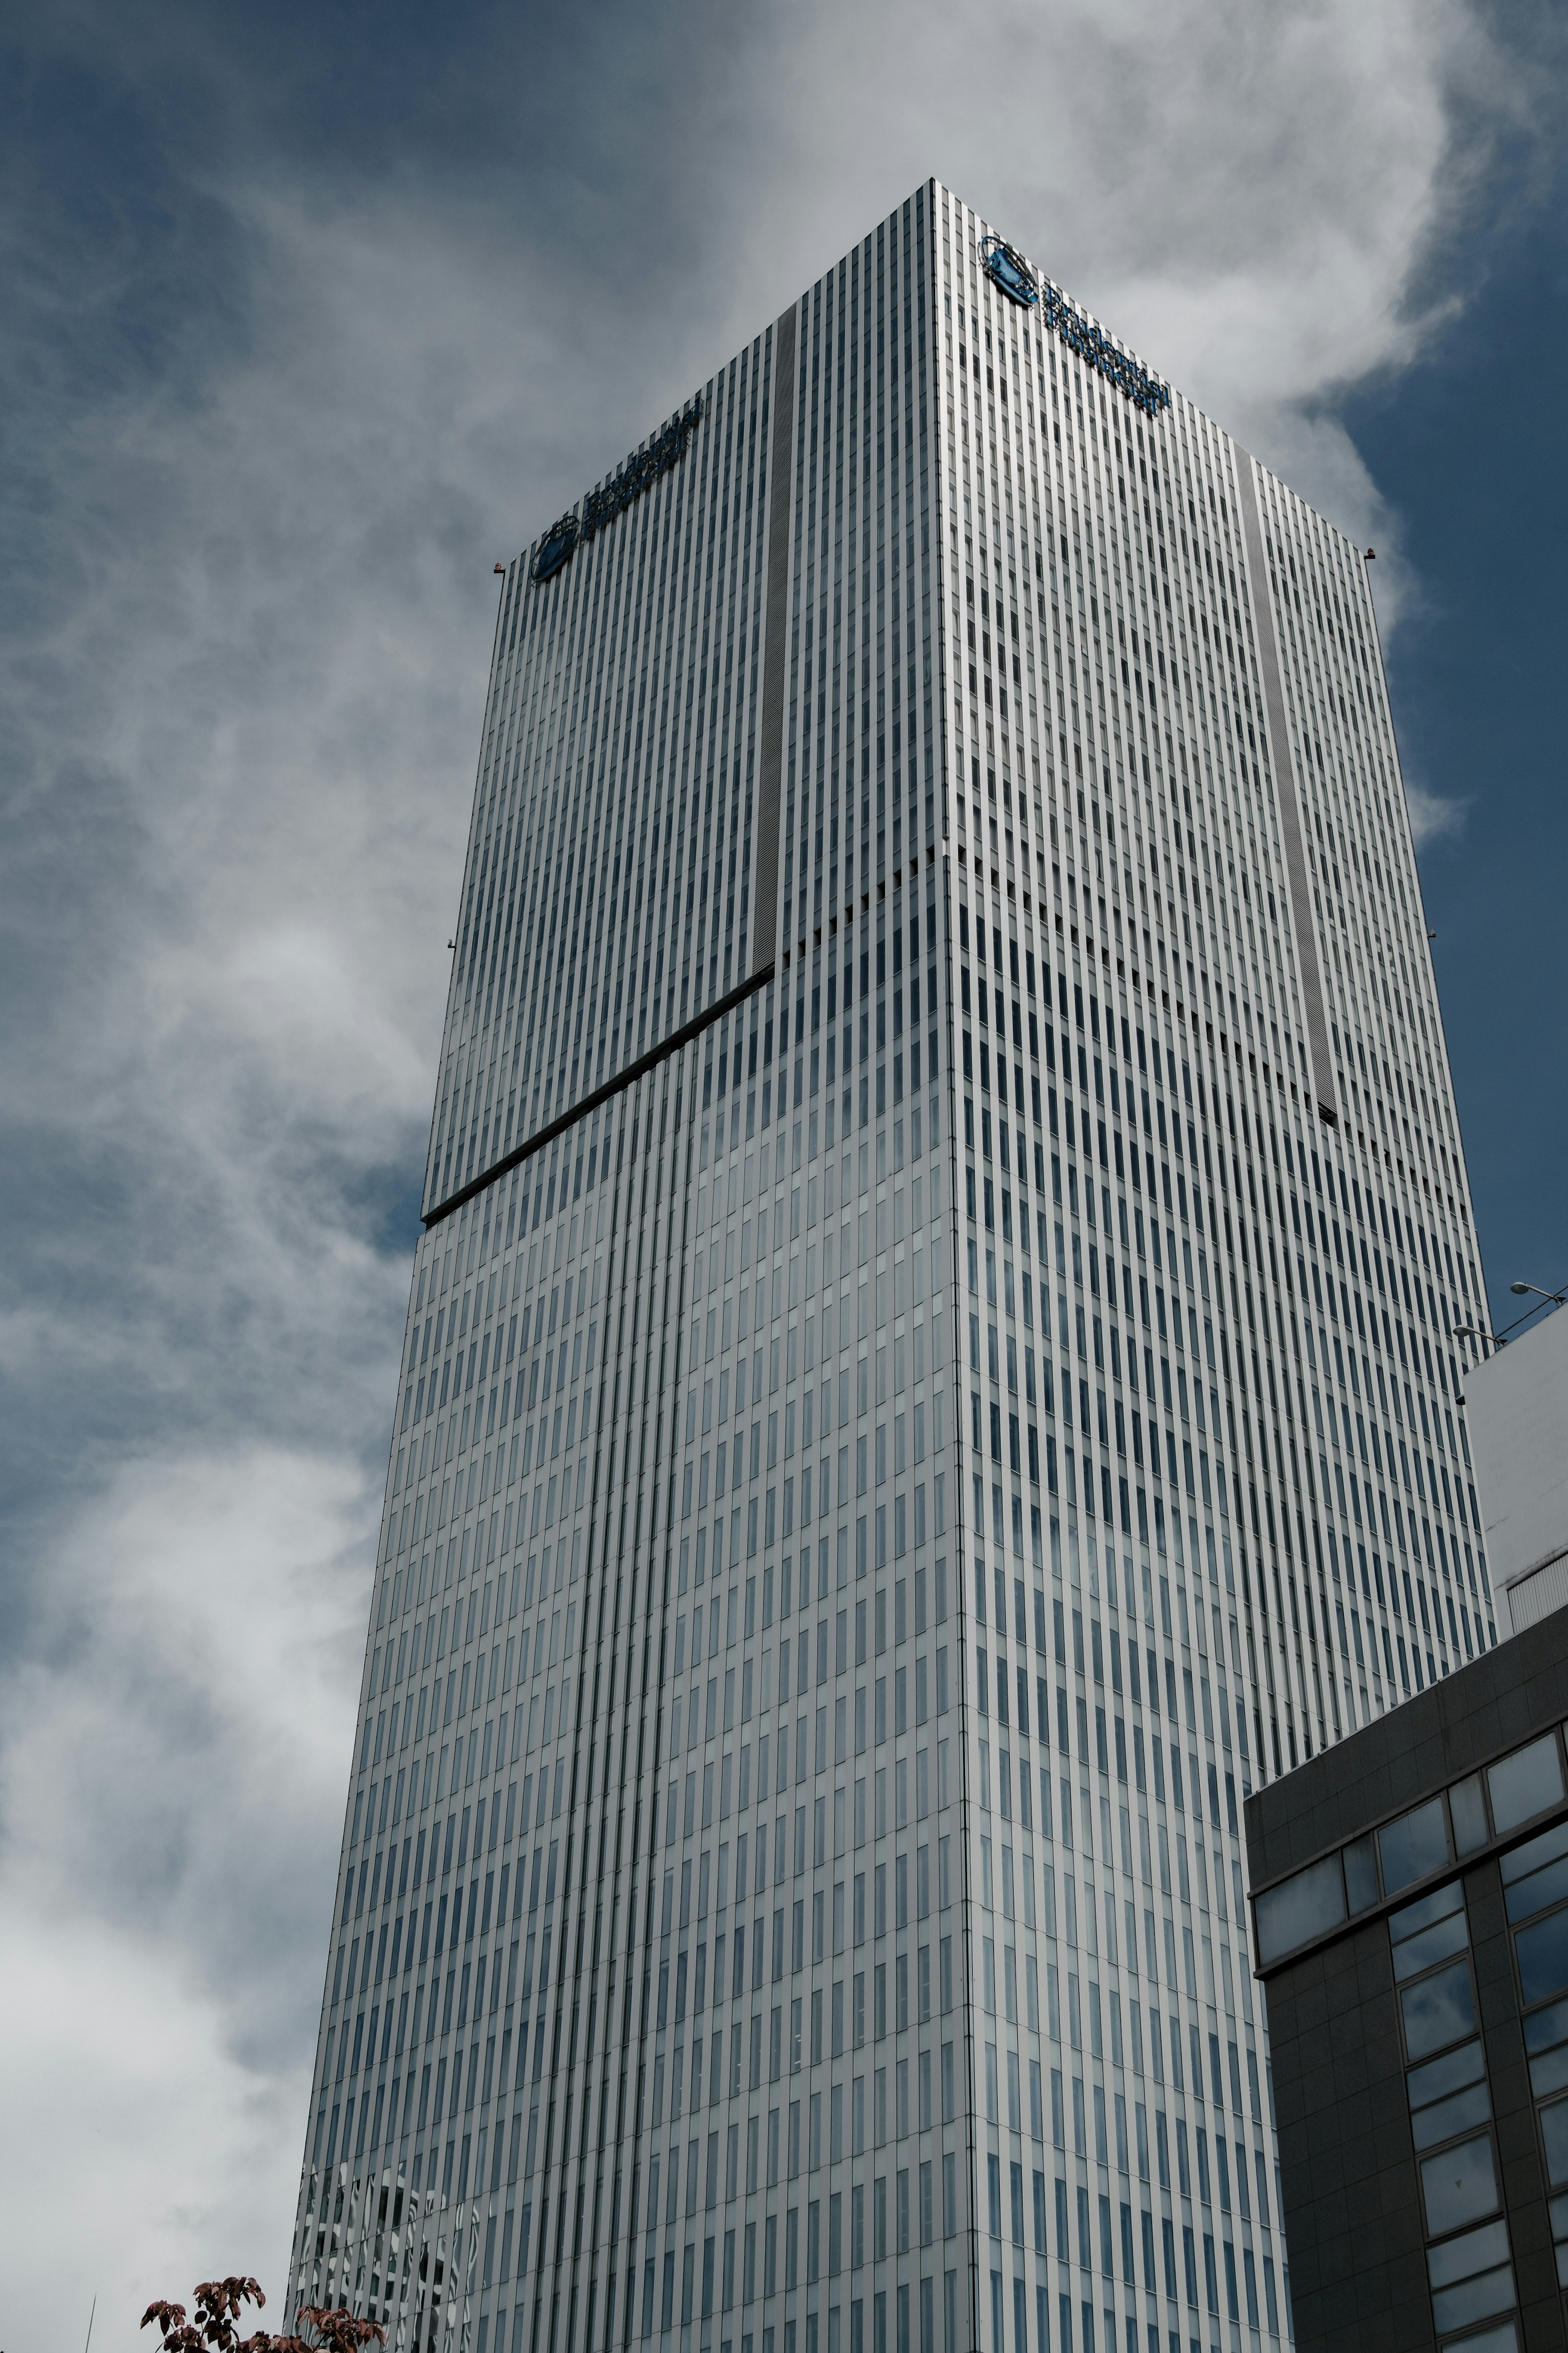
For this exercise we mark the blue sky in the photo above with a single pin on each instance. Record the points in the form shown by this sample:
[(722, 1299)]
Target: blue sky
[(313, 313), (1467, 447)]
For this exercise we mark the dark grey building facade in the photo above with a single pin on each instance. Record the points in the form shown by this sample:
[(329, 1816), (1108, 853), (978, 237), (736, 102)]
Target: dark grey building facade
[(1410, 1898)]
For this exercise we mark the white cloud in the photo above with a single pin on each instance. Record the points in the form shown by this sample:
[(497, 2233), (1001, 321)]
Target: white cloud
[(1246, 195), (1432, 818), (173, 1754)]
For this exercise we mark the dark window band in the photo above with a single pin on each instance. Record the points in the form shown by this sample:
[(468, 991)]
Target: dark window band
[(623, 1079)]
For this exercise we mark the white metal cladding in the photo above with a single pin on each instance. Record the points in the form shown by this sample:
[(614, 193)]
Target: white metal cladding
[(610, 867), (982, 1275), (1535, 1597)]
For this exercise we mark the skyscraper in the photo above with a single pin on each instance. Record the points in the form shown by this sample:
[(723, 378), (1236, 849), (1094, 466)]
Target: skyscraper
[(928, 1370)]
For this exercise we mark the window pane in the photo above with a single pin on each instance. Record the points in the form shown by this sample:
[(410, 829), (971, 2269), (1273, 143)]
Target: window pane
[(1540, 1889), (1460, 2186), (1492, 2291), (1434, 1944), (1427, 1908), (1490, 2340), (1300, 1908), (1468, 1815), (1543, 1958), (1554, 2134), (1361, 1874), (1536, 1873), (1542, 1848), (1547, 2026), (1437, 2011), (1525, 1783), (1445, 2118), (1450, 2073), (1477, 2251), (1413, 1846)]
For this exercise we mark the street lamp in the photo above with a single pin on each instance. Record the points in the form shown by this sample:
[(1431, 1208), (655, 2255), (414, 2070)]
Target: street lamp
[(1473, 1332), (1519, 1290)]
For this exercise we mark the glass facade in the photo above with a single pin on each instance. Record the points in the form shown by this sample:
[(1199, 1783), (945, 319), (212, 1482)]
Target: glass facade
[(927, 1373)]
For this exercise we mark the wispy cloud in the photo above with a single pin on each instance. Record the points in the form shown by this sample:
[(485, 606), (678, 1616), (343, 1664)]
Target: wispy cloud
[(173, 1751), (304, 331), (1432, 818)]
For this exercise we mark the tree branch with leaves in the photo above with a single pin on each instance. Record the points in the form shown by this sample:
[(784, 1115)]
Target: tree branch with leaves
[(219, 2308)]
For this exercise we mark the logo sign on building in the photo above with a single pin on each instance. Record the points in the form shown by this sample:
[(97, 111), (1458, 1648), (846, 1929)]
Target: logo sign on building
[(1011, 275), (1008, 270), (1096, 348), (640, 473), (555, 548)]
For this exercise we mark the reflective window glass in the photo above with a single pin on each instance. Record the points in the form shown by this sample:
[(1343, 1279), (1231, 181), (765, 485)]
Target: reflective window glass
[(1439, 2009), (1540, 1888), (1474, 2299), (1543, 1958), (1540, 1849), (1437, 1905), (1525, 1783), (1477, 2251), (1440, 2076), (1460, 2185), (1413, 1846), (1536, 1873), (1558, 2212), (1300, 1908), (1446, 2119), (1554, 2134), (1434, 1944), (1550, 2072), (1490, 2340), (1448, 2096), (1468, 1811), (1361, 1874), (1546, 2040)]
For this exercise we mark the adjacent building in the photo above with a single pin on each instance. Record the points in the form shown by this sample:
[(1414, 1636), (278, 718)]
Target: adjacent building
[(927, 1375), (1517, 1403), (1411, 1902)]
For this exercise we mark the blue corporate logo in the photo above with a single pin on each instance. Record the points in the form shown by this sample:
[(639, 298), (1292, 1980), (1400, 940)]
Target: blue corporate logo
[(601, 507), (1011, 274), (1117, 367), (1008, 270), (555, 548)]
